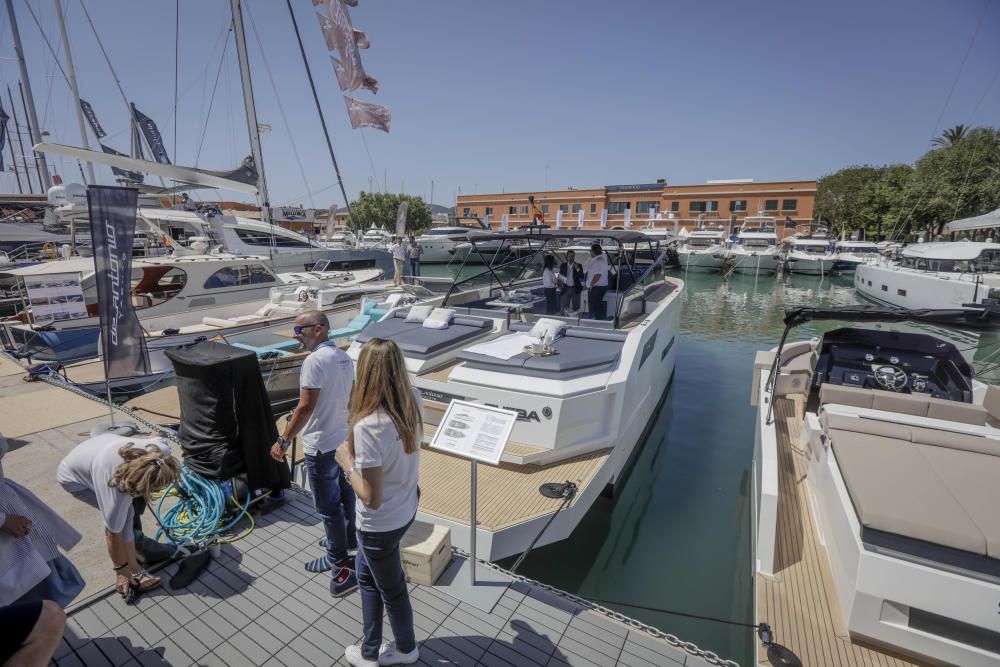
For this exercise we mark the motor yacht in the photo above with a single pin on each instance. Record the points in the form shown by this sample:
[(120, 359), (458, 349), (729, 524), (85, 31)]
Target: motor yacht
[(375, 238), (704, 249), (439, 243), (755, 249), (810, 251), (875, 471), (934, 275), (581, 409), (851, 254), (341, 239)]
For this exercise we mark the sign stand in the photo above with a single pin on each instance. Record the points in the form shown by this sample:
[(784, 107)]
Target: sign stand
[(473, 523)]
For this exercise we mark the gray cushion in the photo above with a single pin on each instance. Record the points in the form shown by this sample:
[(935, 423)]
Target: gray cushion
[(422, 341), (577, 354), (484, 360), (387, 328), (597, 334)]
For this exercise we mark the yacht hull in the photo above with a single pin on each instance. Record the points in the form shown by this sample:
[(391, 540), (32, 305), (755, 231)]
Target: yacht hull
[(701, 261), (754, 262), (812, 266), (905, 288)]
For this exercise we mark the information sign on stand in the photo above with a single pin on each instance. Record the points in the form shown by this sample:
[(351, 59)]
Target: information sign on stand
[(478, 433), (55, 297)]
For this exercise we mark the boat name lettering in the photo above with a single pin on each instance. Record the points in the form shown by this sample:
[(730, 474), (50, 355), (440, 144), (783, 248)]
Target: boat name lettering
[(114, 269), (439, 396), (522, 414)]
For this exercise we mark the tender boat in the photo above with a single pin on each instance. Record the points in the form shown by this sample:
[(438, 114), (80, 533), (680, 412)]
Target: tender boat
[(810, 252), (581, 411), (756, 247), (851, 254), (875, 478), (934, 275), (703, 250)]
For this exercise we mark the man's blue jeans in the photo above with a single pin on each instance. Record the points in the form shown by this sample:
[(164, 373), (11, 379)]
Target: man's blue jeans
[(334, 499), (414, 267), (383, 588)]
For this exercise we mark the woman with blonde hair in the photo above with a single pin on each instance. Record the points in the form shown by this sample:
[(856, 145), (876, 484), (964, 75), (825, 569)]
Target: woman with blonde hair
[(381, 458), (107, 472)]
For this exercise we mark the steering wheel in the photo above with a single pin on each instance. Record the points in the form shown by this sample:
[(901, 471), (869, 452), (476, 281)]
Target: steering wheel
[(889, 377)]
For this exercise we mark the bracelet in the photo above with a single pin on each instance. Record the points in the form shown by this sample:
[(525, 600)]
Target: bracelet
[(121, 567), (347, 475)]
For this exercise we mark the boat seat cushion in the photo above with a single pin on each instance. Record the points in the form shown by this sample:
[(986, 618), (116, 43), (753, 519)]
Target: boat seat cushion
[(895, 489), (844, 395), (575, 354), (414, 339), (966, 413)]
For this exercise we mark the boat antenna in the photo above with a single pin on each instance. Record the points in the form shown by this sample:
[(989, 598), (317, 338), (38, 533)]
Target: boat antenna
[(319, 111), (43, 167)]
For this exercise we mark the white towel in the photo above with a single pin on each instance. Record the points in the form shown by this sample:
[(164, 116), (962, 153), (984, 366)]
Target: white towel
[(503, 347)]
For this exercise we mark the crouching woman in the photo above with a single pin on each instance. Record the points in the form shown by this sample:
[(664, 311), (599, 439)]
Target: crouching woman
[(107, 472), (381, 460)]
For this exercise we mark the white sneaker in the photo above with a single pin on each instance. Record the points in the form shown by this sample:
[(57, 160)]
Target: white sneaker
[(353, 656), (390, 655)]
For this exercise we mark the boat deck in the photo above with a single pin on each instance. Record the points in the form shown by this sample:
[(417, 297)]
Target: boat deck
[(800, 601)]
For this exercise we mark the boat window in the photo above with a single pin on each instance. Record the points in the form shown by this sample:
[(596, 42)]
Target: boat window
[(988, 261), (153, 285), (255, 238), (443, 232), (635, 302), (234, 276)]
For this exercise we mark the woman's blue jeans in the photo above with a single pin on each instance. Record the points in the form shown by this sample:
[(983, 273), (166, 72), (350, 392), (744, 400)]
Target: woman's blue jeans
[(383, 589)]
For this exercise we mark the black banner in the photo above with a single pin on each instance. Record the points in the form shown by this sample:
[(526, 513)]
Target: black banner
[(3, 134), (133, 176), (153, 136), (88, 111), (112, 226)]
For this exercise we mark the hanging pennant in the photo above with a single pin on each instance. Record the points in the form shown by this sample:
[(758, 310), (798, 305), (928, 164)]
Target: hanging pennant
[(366, 114)]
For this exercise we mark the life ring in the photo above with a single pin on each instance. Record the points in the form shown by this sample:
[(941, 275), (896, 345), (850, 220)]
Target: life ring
[(49, 250)]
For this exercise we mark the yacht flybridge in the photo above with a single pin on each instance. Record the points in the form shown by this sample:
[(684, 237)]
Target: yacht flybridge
[(583, 405), (756, 247), (876, 468), (703, 250), (851, 254), (934, 275)]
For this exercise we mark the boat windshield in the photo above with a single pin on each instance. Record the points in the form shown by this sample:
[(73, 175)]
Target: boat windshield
[(702, 242), (863, 250), (153, 285), (811, 249), (756, 243)]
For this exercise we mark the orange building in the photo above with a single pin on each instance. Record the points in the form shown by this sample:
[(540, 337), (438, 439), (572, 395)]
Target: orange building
[(727, 202)]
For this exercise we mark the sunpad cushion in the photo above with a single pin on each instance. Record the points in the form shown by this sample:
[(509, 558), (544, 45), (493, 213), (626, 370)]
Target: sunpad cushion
[(419, 313), (387, 328), (576, 354)]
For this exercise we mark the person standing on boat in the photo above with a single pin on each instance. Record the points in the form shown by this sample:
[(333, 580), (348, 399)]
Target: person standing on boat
[(321, 419), (550, 283), (413, 252), (398, 257), (573, 277), (107, 472), (597, 282), (382, 458)]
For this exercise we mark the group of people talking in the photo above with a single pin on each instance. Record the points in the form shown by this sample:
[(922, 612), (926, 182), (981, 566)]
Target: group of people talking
[(564, 285)]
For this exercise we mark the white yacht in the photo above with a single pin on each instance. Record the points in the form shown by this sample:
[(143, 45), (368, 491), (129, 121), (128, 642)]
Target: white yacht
[(934, 275), (851, 254), (875, 478), (581, 411), (439, 243), (340, 239), (810, 252), (756, 247), (704, 249), (375, 238)]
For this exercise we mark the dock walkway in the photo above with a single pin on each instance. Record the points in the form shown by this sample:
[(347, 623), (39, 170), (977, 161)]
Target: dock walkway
[(256, 605)]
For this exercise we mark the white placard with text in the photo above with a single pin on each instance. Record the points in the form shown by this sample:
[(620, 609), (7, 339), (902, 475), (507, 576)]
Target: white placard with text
[(474, 431)]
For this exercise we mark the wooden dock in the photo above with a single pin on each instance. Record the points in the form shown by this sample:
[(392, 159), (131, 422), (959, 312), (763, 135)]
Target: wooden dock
[(800, 601)]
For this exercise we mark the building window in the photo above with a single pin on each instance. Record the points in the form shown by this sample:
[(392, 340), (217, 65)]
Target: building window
[(545, 209), (770, 204), (618, 207), (523, 210), (712, 206), (489, 210), (789, 204), (675, 206), (643, 207), (564, 208), (511, 210), (737, 205), (577, 208), (593, 208), (466, 210), (696, 206)]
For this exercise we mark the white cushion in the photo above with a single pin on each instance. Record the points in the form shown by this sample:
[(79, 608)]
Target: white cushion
[(545, 326), (440, 318), (418, 313)]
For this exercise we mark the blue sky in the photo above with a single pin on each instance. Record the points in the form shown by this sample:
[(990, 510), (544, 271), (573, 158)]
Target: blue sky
[(523, 95)]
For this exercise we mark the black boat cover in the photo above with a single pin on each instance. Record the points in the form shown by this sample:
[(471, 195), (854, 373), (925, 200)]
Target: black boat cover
[(227, 427), (953, 316)]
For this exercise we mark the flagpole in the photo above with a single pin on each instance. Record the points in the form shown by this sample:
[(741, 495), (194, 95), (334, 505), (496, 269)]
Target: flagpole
[(71, 75), (319, 111), (32, 116)]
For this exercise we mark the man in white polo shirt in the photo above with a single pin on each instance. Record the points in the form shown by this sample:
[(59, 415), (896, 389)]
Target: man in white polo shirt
[(398, 257), (321, 418), (597, 283)]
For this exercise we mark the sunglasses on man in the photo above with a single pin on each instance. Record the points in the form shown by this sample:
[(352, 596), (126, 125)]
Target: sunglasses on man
[(300, 329)]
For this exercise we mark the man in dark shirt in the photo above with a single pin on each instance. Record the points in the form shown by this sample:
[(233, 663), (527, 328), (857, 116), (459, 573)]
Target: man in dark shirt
[(573, 273)]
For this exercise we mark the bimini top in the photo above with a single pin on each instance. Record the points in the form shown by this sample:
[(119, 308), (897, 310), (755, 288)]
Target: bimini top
[(958, 316), (620, 235), (956, 250)]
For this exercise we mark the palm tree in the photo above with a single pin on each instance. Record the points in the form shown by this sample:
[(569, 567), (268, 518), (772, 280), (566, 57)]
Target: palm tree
[(951, 136)]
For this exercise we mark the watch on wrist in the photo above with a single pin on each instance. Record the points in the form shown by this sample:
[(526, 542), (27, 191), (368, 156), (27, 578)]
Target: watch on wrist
[(284, 443)]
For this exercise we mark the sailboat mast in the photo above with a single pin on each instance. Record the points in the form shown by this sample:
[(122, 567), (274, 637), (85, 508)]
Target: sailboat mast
[(241, 49), (71, 75), (36, 138)]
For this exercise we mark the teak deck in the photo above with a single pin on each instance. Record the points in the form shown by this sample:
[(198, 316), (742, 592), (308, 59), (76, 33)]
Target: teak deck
[(800, 601)]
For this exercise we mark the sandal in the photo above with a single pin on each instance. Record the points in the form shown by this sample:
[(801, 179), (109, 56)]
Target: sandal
[(145, 580)]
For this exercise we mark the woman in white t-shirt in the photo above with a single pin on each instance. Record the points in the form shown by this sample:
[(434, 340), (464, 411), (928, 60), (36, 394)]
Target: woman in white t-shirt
[(107, 472), (381, 459)]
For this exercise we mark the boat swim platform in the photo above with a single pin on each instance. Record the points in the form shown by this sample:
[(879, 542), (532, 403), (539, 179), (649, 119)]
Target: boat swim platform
[(800, 601), (256, 605)]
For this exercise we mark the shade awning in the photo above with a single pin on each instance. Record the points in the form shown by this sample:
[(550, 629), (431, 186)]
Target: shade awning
[(985, 221)]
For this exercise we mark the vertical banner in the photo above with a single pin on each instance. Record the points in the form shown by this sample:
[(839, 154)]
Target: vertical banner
[(3, 135), (652, 215), (604, 218), (401, 218), (628, 218), (153, 136), (112, 226), (95, 125), (486, 221), (559, 219), (579, 219), (504, 222)]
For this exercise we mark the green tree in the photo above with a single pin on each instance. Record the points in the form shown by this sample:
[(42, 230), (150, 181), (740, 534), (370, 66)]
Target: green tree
[(951, 136), (379, 209), (839, 195)]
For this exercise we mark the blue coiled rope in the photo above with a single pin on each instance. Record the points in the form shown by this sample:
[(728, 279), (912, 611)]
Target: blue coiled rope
[(198, 514)]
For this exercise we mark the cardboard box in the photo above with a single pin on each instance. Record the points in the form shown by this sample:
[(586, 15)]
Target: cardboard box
[(426, 552)]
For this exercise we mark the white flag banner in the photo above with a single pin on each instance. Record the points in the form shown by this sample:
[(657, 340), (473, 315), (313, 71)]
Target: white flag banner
[(652, 215), (504, 222), (344, 77), (559, 219), (579, 219), (340, 35), (628, 218), (486, 220), (604, 218), (366, 114)]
